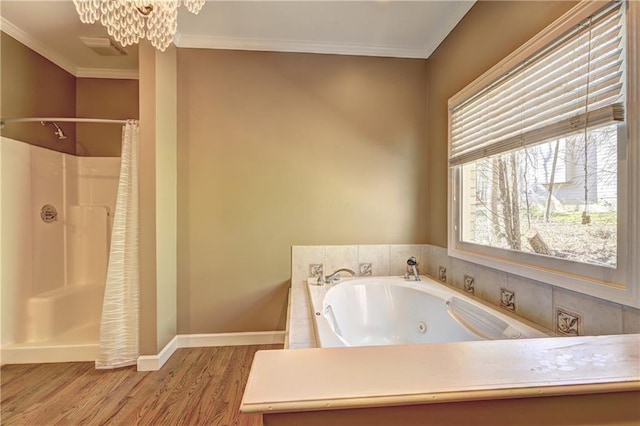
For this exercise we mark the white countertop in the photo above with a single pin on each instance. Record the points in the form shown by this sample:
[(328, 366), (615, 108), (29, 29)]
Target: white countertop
[(316, 379)]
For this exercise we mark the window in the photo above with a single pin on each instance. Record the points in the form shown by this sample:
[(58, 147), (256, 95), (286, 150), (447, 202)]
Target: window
[(544, 163)]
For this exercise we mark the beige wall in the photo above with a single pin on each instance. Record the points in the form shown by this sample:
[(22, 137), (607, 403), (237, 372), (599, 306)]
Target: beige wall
[(32, 86), (489, 32), (104, 98), (280, 149), (275, 150)]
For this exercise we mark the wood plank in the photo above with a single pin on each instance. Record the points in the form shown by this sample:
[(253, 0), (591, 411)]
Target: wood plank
[(196, 386)]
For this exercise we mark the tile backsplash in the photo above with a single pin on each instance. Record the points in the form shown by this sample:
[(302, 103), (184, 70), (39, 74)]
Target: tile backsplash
[(562, 311), (536, 301), (365, 260)]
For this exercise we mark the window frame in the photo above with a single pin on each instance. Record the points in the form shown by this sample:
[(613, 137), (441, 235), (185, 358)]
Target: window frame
[(619, 285)]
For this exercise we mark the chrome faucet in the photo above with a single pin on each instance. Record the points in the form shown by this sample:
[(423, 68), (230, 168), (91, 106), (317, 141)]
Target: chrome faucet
[(334, 276), (414, 268)]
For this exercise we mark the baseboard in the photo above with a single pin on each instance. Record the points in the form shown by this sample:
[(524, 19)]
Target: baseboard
[(155, 362), (231, 339), (32, 354)]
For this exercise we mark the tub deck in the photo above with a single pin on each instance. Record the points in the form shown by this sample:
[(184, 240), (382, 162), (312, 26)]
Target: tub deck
[(342, 378)]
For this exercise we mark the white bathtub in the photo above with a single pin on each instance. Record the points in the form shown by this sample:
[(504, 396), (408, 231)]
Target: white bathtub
[(392, 311)]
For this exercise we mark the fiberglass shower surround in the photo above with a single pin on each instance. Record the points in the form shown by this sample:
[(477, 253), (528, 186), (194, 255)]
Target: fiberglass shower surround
[(56, 225)]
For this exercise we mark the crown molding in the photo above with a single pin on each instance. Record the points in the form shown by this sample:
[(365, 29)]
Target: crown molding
[(107, 73), (275, 45), (50, 54), (35, 45), (447, 26)]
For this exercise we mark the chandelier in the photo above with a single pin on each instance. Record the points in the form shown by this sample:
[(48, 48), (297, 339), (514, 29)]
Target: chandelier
[(127, 21)]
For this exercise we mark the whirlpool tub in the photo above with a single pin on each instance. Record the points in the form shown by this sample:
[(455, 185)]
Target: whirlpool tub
[(391, 311)]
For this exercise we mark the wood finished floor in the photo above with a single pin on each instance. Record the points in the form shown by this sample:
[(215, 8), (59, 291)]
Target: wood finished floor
[(197, 386)]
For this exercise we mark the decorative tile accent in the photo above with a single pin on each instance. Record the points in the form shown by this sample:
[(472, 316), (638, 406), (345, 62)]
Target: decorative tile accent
[(315, 270), (377, 256), (469, 284), (442, 274), (568, 323), (507, 299), (603, 317), (365, 269)]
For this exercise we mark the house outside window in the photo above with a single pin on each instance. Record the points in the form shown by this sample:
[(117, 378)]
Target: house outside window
[(543, 153)]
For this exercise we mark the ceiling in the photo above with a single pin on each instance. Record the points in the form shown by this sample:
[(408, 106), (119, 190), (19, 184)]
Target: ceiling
[(406, 29)]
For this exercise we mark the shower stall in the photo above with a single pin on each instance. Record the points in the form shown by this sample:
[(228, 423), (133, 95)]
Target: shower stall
[(56, 217)]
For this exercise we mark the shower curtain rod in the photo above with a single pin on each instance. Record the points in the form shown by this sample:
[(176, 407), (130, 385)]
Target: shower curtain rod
[(63, 120)]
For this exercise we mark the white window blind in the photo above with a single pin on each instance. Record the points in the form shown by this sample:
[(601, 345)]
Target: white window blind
[(572, 84)]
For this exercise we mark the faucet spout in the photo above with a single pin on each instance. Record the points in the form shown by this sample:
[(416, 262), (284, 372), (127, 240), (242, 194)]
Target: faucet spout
[(413, 262), (335, 276)]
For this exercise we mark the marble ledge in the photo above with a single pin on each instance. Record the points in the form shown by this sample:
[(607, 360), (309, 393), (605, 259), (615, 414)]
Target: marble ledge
[(321, 379)]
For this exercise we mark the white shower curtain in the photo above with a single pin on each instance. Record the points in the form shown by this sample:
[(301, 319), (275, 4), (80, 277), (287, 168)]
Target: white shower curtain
[(119, 324)]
